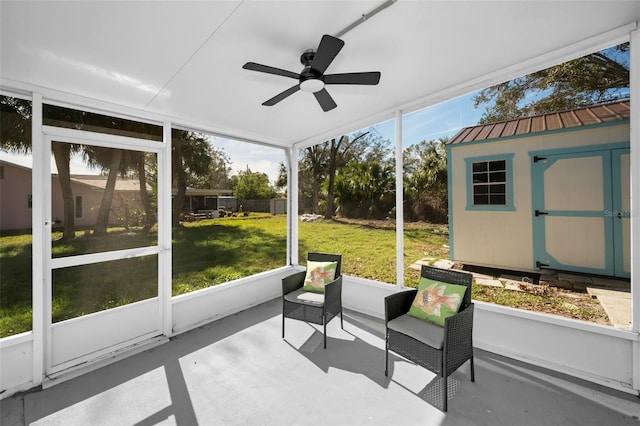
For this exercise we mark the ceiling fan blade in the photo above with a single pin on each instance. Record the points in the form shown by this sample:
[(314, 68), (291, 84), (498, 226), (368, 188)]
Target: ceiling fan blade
[(280, 96), (325, 100), (269, 70), (327, 51), (368, 78)]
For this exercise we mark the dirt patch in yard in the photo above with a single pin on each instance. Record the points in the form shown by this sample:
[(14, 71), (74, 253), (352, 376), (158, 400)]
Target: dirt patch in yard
[(538, 294)]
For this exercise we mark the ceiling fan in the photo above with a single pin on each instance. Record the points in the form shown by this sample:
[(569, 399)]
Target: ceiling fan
[(312, 78)]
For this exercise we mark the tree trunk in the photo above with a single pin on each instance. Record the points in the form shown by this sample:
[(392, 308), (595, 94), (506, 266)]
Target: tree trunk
[(332, 177), (315, 189), (332, 168), (144, 195), (107, 197), (62, 155), (181, 183)]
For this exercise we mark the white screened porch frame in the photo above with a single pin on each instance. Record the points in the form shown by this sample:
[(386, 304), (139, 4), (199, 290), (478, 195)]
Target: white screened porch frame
[(149, 314), (37, 94)]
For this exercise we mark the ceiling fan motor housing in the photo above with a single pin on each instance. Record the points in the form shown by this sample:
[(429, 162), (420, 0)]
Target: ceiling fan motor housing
[(310, 80)]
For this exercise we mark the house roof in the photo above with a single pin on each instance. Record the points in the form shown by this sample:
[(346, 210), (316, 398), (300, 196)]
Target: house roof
[(595, 114), (182, 60), (96, 182), (100, 182), (208, 192)]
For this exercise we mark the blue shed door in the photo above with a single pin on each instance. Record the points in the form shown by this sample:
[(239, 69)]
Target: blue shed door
[(579, 204)]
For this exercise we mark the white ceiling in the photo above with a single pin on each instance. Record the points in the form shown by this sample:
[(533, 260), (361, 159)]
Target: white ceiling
[(183, 60)]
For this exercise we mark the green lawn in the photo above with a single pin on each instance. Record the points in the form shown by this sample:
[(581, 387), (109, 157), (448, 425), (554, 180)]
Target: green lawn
[(215, 251), (205, 253)]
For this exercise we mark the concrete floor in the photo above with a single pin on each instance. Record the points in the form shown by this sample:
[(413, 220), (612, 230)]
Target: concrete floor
[(239, 371)]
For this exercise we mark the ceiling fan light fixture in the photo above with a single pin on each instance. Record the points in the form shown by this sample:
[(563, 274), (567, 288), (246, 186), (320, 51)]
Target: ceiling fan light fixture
[(312, 85)]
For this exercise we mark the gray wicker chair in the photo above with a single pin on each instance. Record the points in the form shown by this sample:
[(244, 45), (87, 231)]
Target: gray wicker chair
[(316, 308), (439, 349)]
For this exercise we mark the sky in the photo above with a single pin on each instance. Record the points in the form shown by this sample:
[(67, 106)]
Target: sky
[(434, 122)]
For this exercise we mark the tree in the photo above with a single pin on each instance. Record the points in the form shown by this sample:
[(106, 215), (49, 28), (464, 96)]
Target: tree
[(338, 153), (253, 186), (596, 78), (281, 181), (425, 181), (191, 158), (106, 159), (313, 167), (15, 124), (62, 156), (320, 164), (366, 190)]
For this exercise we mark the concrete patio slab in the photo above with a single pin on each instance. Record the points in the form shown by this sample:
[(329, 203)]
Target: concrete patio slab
[(488, 282), (239, 371), (443, 264), (616, 303)]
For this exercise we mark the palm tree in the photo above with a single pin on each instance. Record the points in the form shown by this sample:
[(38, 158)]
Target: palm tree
[(191, 157)]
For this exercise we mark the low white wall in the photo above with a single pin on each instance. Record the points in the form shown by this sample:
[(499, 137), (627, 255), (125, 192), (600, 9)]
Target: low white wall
[(600, 354), (16, 364), (203, 306)]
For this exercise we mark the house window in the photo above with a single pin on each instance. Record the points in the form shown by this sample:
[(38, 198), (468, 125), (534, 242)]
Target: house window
[(79, 206), (489, 183)]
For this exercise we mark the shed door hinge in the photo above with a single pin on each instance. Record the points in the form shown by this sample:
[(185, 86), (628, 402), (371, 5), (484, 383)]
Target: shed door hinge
[(540, 213), (538, 158), (541, 265)]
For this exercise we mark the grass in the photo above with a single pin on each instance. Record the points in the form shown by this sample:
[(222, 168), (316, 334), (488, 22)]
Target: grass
[(215, 251)]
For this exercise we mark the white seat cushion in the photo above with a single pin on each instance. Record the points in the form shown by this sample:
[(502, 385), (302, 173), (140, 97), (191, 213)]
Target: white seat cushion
[(306, 297)]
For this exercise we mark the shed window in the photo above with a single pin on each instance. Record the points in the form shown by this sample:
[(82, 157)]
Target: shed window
[(490, 183)]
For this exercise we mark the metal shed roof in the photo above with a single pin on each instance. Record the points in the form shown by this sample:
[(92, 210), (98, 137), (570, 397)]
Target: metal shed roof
[(585, 116)]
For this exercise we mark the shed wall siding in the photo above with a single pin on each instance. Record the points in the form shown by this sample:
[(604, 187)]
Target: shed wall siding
[(504, 239)]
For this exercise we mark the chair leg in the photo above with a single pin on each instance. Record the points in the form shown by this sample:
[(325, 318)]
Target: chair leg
[(341, 324), (325, 333), (386, 355), (444, 395), (473, 375), (283, 317)]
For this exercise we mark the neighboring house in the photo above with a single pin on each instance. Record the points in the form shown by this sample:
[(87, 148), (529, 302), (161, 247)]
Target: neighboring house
[(204, 199), (15, 193), (550, 191)]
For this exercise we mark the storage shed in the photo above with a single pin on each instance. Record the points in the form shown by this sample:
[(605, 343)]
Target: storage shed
[(548, 191)]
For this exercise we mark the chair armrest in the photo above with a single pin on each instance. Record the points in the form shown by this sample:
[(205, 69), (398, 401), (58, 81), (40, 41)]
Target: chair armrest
[(293, 282), (398, 304), (458, 328), (333, 291)]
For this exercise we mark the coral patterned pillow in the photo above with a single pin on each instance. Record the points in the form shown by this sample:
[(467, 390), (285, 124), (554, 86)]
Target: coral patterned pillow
[(319, 274), (436, 301)]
